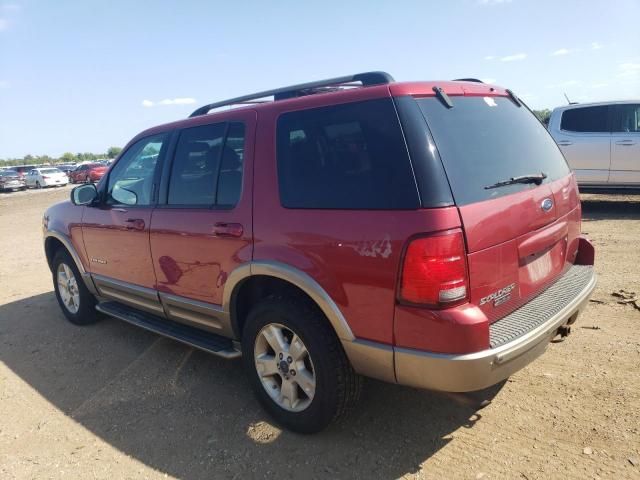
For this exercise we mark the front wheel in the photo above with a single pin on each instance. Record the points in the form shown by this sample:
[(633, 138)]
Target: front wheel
[(76, 302), (87, 179), (38, 184), (297, 366)]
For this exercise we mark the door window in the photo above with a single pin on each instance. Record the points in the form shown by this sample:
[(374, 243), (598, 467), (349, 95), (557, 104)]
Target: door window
[(207, 168), (585, 119), (131, 179), (627, 118)]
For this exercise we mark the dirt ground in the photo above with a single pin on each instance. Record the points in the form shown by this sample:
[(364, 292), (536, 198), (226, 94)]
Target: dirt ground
[(112, 401)]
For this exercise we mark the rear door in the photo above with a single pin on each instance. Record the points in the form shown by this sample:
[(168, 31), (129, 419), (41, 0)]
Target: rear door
[(202, 229), (584, 138), (517, 235), (625, 145)]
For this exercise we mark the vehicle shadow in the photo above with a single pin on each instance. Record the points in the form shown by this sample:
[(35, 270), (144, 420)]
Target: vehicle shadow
[(192, 415), (596, 208)]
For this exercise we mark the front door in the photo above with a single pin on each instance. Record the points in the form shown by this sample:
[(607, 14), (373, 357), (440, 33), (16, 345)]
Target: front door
[(116, 232), (625, 146), (202, 228)]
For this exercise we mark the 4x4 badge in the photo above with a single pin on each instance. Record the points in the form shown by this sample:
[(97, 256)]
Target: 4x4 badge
[(547, 204)]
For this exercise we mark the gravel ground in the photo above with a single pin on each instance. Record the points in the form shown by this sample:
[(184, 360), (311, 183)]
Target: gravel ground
[(113, 401)]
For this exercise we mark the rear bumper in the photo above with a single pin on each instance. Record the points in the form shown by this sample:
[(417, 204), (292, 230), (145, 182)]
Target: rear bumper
[(475, 371)]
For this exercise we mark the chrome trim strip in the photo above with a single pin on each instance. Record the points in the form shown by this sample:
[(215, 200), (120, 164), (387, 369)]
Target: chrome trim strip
[(475, 371), (207, 315), (66, 241), (141, 297)]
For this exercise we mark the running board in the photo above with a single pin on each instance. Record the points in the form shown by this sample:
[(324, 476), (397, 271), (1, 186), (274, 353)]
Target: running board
[(209, 342)]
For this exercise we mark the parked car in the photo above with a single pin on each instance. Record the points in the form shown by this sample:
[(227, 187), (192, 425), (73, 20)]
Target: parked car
[(66, 168), (426, 234), (601, 142), (87, 173), (46, 177), (23, 169), (10, 180)]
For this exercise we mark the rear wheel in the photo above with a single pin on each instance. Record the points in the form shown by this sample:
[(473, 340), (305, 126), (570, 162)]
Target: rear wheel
[(76, 302), (38, 184), (87, 179), (297, 366)]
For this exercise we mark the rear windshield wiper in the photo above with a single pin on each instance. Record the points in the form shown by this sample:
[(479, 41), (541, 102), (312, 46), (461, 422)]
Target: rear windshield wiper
[(535, 178)]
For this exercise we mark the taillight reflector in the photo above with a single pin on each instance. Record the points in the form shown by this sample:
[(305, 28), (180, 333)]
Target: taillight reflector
[(435, 271)]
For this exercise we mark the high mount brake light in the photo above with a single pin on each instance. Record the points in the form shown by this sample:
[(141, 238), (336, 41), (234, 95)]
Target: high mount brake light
[(434, 272)]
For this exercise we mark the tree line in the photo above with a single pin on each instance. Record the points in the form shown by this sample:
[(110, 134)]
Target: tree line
[(66, 157)]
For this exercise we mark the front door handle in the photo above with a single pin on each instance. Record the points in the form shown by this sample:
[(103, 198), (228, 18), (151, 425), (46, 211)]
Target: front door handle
[(564, 143), (222, 229), (625, 142), (134, 223)]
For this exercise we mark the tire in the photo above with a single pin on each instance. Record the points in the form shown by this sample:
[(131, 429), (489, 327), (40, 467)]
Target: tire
[(38, 185), (87, 179), (85, 313), (336, 386)]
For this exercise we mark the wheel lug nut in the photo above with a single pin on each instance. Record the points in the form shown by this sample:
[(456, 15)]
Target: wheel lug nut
[(289, 359), (293, 373), (280, 356)]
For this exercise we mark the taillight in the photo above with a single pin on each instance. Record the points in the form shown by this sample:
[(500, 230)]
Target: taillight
[(434, 272), (45, 177)]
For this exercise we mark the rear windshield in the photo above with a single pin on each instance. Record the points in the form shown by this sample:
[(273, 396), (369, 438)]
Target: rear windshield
[(485, 140), (50, 170)]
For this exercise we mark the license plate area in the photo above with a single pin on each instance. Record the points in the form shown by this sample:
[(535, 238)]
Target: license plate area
[(539, 268)]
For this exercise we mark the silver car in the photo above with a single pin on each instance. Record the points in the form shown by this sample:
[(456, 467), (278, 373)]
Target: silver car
[(601, 142)]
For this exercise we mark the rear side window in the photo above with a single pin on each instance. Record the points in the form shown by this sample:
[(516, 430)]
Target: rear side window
[(585, 119), (350, 156), (485, 140), (207, 167)]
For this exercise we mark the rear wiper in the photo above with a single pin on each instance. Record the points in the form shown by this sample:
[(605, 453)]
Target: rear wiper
[(535, 178)]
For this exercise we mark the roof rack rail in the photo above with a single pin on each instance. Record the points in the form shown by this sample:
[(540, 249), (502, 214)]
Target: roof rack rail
[(366, 79), (476, 80)]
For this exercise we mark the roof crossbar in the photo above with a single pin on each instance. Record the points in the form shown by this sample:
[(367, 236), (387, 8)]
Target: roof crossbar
[(366, 79)]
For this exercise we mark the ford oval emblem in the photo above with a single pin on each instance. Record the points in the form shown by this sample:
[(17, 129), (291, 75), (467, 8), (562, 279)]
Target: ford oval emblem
[(547, 204)]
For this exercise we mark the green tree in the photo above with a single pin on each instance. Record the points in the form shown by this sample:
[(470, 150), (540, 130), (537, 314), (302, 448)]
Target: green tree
[(67, 157), (113, 152), (543, 116)]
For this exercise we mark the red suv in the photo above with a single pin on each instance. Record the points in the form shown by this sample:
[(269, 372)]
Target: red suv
[(426, 234), (87, 173)]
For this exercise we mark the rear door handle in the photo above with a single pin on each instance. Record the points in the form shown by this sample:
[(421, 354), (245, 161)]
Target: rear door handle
[(564, 143), (134, 223), (625, 142), (222, 229)]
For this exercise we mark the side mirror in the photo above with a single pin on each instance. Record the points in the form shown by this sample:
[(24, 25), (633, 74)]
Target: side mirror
[(84, 194)]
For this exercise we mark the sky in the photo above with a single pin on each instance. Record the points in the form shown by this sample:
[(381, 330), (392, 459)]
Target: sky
[(84, 75)]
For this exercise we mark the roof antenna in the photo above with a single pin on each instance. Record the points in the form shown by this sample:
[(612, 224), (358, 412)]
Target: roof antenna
[(565, 96)]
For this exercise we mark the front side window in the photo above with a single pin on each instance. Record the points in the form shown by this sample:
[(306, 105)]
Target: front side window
[(131, 179), (627, 119), (585, 119), (207, 167), (350, 156)]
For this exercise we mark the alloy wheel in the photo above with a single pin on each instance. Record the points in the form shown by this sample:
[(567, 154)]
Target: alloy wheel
[(68, 288), (284, 367)]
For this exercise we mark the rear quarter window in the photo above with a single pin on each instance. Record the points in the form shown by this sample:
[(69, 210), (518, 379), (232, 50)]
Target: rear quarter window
[(350, 156)]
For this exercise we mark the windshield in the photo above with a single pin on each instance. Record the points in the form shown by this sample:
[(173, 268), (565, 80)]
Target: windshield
[(487, 140)]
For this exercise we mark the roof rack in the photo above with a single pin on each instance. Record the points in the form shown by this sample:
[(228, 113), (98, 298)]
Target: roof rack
[(476, 80), (366, 79)]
